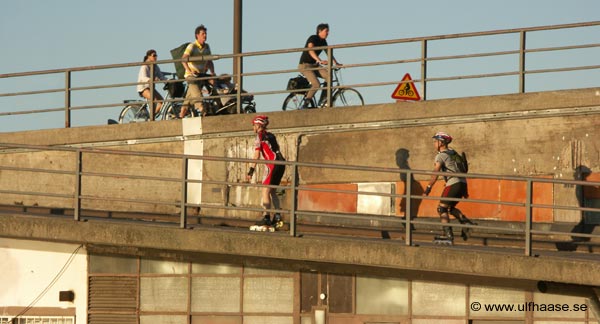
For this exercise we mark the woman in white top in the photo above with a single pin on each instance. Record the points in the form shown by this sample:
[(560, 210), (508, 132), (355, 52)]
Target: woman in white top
[(143, 88)]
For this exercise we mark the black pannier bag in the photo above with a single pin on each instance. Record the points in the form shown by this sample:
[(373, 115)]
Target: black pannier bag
[(298, 83), (175, 89)]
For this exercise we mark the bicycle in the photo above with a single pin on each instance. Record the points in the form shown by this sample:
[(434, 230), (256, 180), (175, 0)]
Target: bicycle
[(340, 96), (227, 102), (138, 112)]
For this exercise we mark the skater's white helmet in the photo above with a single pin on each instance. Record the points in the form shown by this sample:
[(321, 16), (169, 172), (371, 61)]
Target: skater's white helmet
[(443, 137), (261, 120)]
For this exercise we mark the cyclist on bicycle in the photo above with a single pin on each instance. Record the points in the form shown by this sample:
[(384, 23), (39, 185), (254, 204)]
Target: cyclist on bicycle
[(143, 87), (310, 60), (196, 69)]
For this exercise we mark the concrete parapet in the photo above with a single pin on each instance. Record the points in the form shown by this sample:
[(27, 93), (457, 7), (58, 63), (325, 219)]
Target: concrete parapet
[(547, 134)]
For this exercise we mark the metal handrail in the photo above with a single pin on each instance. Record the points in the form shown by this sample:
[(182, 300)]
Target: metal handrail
[(424, 79), (294, 187)]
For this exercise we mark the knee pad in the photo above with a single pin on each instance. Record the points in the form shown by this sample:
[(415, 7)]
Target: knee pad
[(442, 209)]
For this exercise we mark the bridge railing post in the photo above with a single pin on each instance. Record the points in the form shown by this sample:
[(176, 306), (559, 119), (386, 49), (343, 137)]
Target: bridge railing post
[(522, 67), (328, 90), (151, 101), (424, 69), (528, 217), (408, 211), (77, 189), (293, 203), (67, 99), (239, 83), (184, 176)]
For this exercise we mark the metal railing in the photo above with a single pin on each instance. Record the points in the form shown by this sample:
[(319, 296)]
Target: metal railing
[(423, 64), (296, 215)]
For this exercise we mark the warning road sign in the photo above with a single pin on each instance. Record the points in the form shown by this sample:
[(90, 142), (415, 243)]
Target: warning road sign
[(406, 90)]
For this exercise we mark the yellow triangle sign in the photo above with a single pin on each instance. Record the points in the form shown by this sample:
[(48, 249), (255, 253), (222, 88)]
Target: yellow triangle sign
[(406, 90)]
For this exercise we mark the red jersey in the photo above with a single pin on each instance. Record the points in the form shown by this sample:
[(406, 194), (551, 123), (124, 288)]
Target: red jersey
[(266, 143)]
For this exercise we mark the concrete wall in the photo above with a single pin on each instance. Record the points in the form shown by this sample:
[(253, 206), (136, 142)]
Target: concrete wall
[(538, 134), (30, 268), (547, 134)]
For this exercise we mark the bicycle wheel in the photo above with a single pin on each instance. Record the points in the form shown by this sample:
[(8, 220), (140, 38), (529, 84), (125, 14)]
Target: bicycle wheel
[(294, 101), (347, 97), (133, 114), (173, 111)]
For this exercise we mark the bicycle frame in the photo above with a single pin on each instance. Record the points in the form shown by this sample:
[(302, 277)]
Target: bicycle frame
[(332, 94), (133, 113), (327, 88), (218, 104), (136, 111)]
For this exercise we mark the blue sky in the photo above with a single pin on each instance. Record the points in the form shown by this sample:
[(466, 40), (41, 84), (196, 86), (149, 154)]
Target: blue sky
[(41, 35)]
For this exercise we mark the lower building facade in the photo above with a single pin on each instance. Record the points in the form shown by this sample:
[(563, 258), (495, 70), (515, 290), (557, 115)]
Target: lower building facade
[(39, 277)]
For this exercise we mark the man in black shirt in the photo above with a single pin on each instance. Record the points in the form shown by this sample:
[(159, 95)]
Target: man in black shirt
[(310, 60)]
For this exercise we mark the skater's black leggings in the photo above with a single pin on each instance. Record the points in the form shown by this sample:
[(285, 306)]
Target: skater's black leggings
[(457, 190)]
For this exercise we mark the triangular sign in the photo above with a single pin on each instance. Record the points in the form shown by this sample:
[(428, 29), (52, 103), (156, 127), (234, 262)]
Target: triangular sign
[(406, 90)]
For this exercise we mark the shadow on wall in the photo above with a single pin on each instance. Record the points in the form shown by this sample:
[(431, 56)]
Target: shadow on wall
[(585, 225), (402, 156)]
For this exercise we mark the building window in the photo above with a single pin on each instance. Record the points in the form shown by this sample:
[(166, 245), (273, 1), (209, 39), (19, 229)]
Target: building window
[(496, 296), (163, 319), (216, 294), (168, 294), (268, 295), (163, 267), (381, 296), (112, 264), (438, 299), (216, 319), (546, 306), (126, 290)]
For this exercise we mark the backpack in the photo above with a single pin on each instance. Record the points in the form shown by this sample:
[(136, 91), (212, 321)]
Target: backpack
[(177, 53), (461, 161)]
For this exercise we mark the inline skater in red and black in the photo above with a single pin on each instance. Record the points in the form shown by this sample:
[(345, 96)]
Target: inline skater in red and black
[(267, 146)]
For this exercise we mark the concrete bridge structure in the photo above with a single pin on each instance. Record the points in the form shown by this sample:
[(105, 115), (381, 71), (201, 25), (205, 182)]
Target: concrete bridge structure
[(118, 190)]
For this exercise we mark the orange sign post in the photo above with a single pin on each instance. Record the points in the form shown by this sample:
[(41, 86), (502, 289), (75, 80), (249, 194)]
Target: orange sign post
[(406, 90)]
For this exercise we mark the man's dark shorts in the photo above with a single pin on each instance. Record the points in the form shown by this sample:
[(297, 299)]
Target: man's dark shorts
[(457, 190)]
